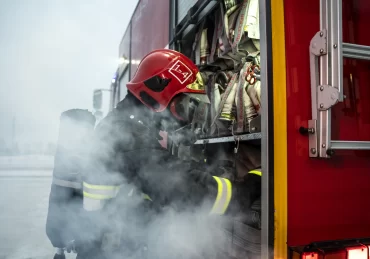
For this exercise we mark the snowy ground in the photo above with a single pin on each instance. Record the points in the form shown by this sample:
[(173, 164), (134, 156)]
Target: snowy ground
[(26, 162), (23, 202)]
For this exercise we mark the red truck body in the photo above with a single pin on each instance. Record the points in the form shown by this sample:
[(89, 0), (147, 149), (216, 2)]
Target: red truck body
[(327, 199)]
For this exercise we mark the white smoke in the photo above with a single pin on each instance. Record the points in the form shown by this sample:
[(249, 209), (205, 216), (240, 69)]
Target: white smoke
[(128, 225)]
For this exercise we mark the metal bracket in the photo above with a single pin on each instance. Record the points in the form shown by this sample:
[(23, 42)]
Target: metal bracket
[(327, 97), (318, 44), (318, 47), (312, 138)]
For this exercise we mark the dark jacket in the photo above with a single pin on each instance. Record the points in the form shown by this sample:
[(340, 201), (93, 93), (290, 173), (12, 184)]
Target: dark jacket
[(127, 152)]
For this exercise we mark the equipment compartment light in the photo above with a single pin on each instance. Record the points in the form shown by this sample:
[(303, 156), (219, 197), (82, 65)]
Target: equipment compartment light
[(358, 252)]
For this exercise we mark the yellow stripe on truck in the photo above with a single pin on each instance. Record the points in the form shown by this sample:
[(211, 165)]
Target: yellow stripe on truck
[(280, 128)]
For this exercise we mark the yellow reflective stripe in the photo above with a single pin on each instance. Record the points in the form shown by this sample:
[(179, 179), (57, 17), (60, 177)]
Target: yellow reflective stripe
[(228, 194), (256, 172), (100, 187), (97, 196), (219, 192), (146, 197), (100, 192), (224, 193)]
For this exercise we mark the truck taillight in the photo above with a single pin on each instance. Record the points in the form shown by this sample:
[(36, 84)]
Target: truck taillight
[(361, 252), (310, 256), (333, 255), (358, 253)]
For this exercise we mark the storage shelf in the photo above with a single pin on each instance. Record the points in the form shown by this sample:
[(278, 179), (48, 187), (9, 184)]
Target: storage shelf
[(243, 137)]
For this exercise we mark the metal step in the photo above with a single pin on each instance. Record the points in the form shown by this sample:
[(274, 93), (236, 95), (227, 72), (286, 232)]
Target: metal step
[(350, 145), (356, 51)]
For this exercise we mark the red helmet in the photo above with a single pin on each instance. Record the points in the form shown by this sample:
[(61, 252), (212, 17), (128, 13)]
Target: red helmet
[(162, 74)]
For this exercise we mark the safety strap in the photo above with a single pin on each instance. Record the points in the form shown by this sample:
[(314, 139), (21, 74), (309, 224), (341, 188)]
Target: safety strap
[(227, 37), (65, 183), (224, 194), (229, 30), (95, 196), (233, 31), (216, 34), (239, 28), (223, 39), (220, 35), (229, 21)]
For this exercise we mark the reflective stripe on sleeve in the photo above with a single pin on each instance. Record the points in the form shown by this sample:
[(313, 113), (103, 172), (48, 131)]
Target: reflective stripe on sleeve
[(65, 183), (146, 197), (224, 194), (256, 172), (95, 196)]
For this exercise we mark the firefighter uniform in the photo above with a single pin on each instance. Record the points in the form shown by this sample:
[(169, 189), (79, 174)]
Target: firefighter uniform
[(131, 179), (144, 168)]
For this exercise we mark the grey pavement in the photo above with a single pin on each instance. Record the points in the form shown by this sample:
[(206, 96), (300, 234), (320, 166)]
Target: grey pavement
[(24, 199)]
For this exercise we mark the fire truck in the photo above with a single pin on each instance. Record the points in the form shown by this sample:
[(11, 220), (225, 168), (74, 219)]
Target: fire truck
[(312, 115)]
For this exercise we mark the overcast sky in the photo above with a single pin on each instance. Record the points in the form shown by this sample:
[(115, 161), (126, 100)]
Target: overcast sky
[(53, 53)]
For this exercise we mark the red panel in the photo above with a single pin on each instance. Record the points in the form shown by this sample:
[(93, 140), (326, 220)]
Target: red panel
[(124, 46), (336, 255), (327, 199), (124, 51), (150, 29)]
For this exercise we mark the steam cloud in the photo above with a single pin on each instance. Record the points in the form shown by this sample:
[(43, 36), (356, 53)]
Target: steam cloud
[(135, 230)]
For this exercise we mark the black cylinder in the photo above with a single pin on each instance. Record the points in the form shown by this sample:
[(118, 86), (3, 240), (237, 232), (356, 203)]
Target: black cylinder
[(65, 212)]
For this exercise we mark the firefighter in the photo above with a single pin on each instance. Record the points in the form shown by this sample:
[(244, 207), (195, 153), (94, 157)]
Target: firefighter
[(128, 162)]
